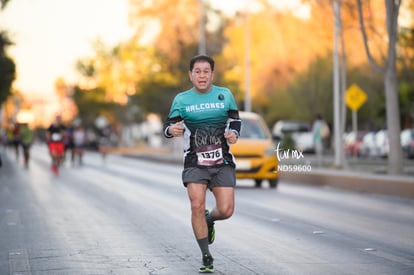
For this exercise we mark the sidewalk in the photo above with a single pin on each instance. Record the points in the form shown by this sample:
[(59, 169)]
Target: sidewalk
[(357, 179), (394, 185)]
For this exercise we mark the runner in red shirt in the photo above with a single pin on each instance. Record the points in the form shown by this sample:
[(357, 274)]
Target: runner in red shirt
[(55, 137)]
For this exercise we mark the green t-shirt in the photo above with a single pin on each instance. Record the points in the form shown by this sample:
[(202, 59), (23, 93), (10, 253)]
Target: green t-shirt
[(26, 135), (206, 117)]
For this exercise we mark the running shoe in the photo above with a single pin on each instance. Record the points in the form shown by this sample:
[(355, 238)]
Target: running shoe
[(207, 265), (211, 230)]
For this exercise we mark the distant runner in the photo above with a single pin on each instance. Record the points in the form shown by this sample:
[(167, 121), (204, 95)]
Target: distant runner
[(55, 137), (104, 142), (27, 137), (79, 138)]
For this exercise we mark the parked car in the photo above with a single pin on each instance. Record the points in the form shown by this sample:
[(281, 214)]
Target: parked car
[(407, 142), (382, 143), (300, 132), (368, 148), (290, 126), (353, 142), (255, 151), (304, 141)]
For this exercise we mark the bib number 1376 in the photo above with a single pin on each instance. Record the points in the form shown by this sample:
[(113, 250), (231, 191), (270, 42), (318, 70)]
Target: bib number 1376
[(210, 155)]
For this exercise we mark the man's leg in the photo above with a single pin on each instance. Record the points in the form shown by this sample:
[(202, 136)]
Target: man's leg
[(197, 195), (25, 155), (60, 151), (54, 162), (52, 152), (222, 185), (224, 204)]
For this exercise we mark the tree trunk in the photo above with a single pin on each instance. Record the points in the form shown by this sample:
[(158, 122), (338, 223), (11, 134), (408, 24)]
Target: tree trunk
[(389, 71), (395, 161)]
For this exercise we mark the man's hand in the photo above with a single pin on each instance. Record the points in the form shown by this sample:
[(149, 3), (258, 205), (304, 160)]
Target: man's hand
[(176, 129), (231, 136)]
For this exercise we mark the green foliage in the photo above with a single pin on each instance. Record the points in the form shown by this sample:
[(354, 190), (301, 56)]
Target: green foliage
[(371, 115), (156, 91), (287, 91), (92, 103), (310, 92), (7, 76), (406, 75), (3, 3), (288, 142), (86, 68), (156, 97), (7, 68), (407, 103)]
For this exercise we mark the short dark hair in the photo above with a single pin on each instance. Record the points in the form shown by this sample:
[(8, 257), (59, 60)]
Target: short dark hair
[(201, 57)]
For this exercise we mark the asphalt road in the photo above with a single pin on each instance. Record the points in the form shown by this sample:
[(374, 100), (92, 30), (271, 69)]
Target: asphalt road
[(130, 216)]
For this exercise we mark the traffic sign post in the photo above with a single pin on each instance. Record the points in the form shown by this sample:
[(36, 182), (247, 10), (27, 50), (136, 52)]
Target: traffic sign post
[(355, 97)]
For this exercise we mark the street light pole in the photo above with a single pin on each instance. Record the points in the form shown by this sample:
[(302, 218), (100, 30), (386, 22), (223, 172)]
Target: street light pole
[(336, 96), (247, 99), (202, 39)]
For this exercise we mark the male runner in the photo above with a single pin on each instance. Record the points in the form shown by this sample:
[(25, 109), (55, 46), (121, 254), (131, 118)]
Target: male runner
[(208, 119), (55, 135), (27, 137)]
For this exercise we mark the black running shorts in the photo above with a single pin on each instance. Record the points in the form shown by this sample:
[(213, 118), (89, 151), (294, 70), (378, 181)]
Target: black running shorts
[(224, 176)]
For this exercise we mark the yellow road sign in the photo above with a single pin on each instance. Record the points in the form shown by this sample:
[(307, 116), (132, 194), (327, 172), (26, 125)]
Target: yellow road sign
[(355, 97)]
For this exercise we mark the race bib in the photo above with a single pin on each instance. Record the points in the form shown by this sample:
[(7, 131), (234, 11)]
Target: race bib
[(56, 137), (209, 155)]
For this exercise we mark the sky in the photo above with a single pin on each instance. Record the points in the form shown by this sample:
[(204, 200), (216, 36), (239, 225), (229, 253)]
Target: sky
[(51, 35)]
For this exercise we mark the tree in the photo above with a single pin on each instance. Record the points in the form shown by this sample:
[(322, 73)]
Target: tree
[(7, 68), (3, 3), (7, 65), (406, 66), (389, 71), (92, 104), (276, 51), (156, 90), (175, 30), (163, 68)]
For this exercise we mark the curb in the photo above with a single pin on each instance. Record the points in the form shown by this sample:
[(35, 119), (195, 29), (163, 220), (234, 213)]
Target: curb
[(400, 186), (378, 184)]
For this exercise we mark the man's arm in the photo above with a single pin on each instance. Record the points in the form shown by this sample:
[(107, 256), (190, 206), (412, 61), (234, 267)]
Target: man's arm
[(234, 121), (168, 123)]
